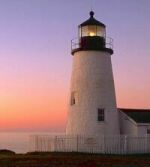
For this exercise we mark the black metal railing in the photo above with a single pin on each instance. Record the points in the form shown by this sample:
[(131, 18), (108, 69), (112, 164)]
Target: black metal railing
[(76, 43)]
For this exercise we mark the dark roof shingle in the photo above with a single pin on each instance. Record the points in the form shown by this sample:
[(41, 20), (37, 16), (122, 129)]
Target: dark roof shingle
[(138, 115)]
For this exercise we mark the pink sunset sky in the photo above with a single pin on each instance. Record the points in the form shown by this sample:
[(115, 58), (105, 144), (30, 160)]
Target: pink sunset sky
[(35, 59)]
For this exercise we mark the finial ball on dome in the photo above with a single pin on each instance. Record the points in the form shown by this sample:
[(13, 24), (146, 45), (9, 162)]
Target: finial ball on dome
[(91, 13)]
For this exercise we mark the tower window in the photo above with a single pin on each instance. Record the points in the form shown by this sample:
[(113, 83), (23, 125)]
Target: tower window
[(101, 114), (148, 131), (74, 98)]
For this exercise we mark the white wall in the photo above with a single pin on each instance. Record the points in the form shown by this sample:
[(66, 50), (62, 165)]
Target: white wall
[(130, 127), (142, 129), (92, 80), (127, 125)]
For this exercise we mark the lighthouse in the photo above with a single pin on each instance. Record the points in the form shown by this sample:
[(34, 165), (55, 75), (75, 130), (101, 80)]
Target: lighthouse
[(92, 109)]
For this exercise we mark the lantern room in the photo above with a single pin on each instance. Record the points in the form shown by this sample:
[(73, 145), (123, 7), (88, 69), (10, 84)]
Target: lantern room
[(92, 36), (92, 28)]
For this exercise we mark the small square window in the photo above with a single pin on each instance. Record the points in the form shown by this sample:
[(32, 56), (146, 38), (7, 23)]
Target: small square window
[(148, 131), (101, 115)]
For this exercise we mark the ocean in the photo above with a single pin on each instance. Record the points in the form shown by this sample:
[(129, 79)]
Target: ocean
[(19, 141)]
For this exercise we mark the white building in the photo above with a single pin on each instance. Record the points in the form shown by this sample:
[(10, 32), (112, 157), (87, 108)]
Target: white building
[(134, 122), (92, 103), (92, 106), (94, 123)]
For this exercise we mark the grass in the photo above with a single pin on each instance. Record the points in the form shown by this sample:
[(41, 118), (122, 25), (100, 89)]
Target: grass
[(50, 159)]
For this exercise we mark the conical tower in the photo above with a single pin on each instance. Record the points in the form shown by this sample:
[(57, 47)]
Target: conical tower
[(92, 103)]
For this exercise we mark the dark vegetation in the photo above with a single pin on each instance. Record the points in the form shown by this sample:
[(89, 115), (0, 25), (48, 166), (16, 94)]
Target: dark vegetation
[(49, 159), (7, 152)]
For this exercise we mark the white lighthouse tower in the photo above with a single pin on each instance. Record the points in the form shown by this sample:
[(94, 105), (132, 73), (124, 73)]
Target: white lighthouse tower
[(92, 101)]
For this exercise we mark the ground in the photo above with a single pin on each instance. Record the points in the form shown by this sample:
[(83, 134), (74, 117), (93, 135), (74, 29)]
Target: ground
[(73, 160)]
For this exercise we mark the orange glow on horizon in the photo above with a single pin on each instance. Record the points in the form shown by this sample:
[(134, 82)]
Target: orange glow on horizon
[(41, 107)]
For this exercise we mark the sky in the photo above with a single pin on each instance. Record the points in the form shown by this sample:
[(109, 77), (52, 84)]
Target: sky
[(35, 59)]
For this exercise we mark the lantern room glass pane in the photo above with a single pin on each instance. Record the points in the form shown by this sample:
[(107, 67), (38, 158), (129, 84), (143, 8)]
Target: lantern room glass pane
[(101, 31), (92, 30), (88, 31), (84, 31)]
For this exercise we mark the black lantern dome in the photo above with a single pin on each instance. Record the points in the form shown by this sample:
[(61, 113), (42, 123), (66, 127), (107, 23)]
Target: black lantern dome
[(92, 21), (92, 36)]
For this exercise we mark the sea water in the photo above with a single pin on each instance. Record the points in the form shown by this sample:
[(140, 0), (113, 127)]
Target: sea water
[(18, 141)]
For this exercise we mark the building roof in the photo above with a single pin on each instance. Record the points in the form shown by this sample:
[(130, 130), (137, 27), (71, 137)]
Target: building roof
[(138, 115), (92, 21)]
